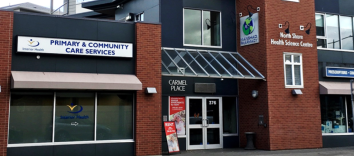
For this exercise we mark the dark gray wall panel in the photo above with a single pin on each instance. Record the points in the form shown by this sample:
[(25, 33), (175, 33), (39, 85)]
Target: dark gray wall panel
[(172, 22), (330, 6), (149, 7), (76, 29), (348, 57), (110, 149), (330, 56), (231, 141), (338, 141), (26, 25), (30, 151), (108, 31), (126, 149), (346, 7), (68, 28), (71, 64), (66, 150)]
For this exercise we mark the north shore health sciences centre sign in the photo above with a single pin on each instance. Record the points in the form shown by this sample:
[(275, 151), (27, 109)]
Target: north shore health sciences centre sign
[(249, 30), (73, 47)]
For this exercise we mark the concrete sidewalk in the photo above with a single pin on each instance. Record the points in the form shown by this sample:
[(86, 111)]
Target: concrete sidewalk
[(340, 151)]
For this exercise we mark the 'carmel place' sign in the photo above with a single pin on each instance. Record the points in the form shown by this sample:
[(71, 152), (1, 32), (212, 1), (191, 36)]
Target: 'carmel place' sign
[(76, 47)]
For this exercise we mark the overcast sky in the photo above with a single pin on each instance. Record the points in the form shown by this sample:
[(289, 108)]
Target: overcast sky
[(45, 3)]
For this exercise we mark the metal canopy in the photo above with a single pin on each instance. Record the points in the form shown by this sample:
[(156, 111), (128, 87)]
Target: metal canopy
[(204, 63)]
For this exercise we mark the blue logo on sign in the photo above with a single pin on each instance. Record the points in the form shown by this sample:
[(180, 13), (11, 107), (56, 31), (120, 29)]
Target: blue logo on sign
[(33, 43), (72, 106)]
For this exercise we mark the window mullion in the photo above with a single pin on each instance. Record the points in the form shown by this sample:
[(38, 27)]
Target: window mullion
[(340, 33), (95, 133), (293, 69), (202, 11), (346, 113), (54, 104)]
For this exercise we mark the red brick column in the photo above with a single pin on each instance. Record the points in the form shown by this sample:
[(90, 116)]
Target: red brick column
[(148, 107), (6, 28), (293, 121)]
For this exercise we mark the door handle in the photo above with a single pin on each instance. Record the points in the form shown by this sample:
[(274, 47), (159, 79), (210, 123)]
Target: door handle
[(207, 122)]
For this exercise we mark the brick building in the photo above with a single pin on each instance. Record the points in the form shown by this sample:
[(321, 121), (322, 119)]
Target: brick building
[(103, 82)]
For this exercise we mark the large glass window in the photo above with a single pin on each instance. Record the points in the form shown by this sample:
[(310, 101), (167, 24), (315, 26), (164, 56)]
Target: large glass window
[(320, 31), (334, 31), (31, 118), (74, 117), (293, 70), (114, 116), (333, 40), (229, 115), (346, 29), (202, 27), (335, 112)]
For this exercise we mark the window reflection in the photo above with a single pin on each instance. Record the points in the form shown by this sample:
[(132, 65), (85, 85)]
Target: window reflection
[(202, 27), (211, 28), (114, 116), (333, 40), (346, 29), (31, 118), (192, 27), (319, 25), (74, 117), (333, 114)]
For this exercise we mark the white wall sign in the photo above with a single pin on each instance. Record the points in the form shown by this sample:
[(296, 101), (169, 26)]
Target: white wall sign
[(288, 42), (178, 85), (74, 47), (249, 30)]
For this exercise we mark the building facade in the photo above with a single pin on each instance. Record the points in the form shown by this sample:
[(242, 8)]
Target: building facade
[(73, 85), (334, 26)]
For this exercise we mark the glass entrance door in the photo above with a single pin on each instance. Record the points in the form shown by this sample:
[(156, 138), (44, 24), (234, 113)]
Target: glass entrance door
[(204, 123)]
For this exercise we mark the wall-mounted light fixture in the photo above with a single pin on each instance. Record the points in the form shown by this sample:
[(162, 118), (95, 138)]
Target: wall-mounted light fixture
[(287, 29), (150, 90), (296, 92), (38, 57), (254, 94), (308, 30), (249, 12)]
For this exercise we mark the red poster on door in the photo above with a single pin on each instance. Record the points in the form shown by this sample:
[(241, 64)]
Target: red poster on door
[(178, 113), (171, 136)]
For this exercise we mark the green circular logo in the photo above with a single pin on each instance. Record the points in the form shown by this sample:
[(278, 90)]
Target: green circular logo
[(248, 26)]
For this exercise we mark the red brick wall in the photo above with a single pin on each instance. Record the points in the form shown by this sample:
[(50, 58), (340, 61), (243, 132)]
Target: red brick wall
[(294, 121), (6, 27), (148, 107)]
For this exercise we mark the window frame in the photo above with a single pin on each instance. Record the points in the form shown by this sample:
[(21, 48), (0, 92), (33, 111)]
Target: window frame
[(346, 103), (141, 16), (292, 1), (95, 141), (339, 29), (202, 45), (292, 63)]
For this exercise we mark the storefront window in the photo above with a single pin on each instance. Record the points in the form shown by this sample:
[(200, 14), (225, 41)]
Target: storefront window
[(229, 115), (31, 118), (334, 114), (346, 30), (114, 116), (74, 117)]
